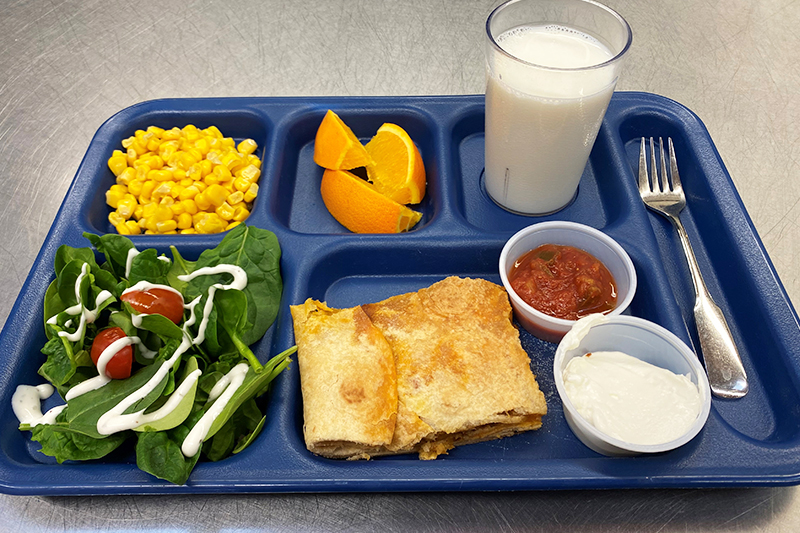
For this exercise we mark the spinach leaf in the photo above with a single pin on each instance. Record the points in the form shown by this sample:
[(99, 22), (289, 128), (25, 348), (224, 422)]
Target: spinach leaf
[(244, 422), (115, 248), (53, 304), (146, 266), (231, 307), (253, 385), (181, 412), (257, 251), (245, 442), (180, 267), (159, 453), (67, 279), (65, 444), (60, 364)]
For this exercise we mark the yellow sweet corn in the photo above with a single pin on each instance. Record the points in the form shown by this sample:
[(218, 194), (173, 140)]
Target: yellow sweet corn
[(247, 146), (182, 180), (251, 193)]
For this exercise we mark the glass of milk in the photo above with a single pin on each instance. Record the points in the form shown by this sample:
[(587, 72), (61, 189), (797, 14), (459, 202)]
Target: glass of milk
[(551, 67)]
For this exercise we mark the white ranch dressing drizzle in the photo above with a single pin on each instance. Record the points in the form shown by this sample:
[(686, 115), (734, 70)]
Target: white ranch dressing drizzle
[(26, 403), (239, 282), (88, 316), (229, 383)]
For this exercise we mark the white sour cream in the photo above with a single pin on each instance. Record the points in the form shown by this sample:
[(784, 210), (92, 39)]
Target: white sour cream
[(631, 400)]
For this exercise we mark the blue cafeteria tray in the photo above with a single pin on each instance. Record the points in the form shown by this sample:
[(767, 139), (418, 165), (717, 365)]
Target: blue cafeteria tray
[(752, 441)]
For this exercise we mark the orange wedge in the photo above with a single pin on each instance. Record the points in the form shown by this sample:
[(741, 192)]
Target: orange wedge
[(336, 147), (398, 171), (360, 208)]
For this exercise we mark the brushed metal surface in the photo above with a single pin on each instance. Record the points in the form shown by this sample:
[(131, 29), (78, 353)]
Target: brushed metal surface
[(68, 65)]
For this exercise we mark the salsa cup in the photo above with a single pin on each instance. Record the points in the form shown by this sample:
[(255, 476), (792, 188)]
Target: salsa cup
[(586, 238)]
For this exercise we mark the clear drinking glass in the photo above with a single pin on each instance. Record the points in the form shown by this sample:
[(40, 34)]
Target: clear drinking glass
[(551, 67)]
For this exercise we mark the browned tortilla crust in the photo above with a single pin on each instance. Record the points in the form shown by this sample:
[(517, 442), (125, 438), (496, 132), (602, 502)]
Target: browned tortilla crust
[(462, 375), (348, 381)]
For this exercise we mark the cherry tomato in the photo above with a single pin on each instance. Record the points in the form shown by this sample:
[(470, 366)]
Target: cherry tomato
[(119, 366), (156, 301)]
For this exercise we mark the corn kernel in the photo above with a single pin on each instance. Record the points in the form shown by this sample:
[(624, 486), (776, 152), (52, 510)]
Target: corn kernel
[(223, 173), (167, 148), (153, 144), (117, 163), (135, 187), (251, 193), (231, 160), (254, 160), (176, 190), (241, 184), (225, 211), (188, 231), (190, 206), (167, 225), (201, 186), (211, 179), (251, 173), (177, 208), (213, 131), (247, 146), (141, 172), (232, 225), (240, 213), (184, 221), (115, 218), (201, 201), (126, 206), (172, 135), (202, 145), (162, 214), (189, 192), (186, 182), (228, 142), (206, 167), (158, 132), (235, 197), (126, 143), (149, 209), (142, 223), (127, 176), (133, 227), (137, 213), (113, 197), (167, 201), (216, 194), (122, 229), (178, 174)]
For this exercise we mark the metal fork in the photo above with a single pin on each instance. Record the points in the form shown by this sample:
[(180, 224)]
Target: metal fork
[(726, 374)]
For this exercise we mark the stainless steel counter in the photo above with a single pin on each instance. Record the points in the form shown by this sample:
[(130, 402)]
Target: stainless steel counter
[(66, 66)]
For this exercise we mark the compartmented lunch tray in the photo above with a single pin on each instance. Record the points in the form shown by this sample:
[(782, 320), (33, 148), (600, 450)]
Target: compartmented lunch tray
[(751, 441)]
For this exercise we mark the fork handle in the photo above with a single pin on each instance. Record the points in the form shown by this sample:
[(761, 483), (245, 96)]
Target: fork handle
[(726, 374)]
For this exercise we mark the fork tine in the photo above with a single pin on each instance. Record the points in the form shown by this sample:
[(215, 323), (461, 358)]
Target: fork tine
[(654, 167), (673, 166), (664, 178), (644, 181)]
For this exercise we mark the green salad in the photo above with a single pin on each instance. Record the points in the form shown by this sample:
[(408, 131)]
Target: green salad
[(157, 350)]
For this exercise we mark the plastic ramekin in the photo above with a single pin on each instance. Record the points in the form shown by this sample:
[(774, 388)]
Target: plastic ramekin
[(646, 341), (586, 238)]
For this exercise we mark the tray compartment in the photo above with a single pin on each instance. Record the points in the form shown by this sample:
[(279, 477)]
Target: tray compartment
[(296, 202), (238, 123)]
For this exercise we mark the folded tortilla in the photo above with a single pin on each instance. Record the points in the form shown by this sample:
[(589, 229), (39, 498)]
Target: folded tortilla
[(420, 372), (347, 377), (462, 374)]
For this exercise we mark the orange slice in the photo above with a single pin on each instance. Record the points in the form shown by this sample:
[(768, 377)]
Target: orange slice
[(360, 208), (398, 171), (336, 147)]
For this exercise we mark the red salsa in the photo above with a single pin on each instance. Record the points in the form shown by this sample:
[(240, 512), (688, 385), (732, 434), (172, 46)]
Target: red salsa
[(563, 282)]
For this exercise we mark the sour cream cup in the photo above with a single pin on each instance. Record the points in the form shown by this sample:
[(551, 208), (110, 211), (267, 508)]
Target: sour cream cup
[(586, 238), (645, 341)]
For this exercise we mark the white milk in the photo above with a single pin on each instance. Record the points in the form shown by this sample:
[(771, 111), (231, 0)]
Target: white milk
[(542, 120)]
